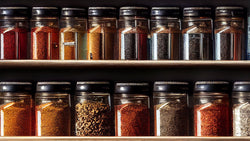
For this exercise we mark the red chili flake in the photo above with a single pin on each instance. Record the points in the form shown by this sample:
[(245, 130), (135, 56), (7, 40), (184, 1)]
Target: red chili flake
[(132, 120), (44, 42), (212, 119), (14, 43)]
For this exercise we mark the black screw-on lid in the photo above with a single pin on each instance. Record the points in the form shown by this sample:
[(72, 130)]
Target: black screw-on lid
[(132, 88), (15, 87), (134, 11), (175, 87), (102, 11), (14, 12), (241, 86), (230, 11), (53, 87), (165, 11), (212, 86), (197, 12), (93, 86), (74, 12), (45, 12)]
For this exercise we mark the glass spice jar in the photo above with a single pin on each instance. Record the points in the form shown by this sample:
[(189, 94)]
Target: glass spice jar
[(248, 29), (44, 33), (14, 28), (73, 34), (197, 34), (211, 108), (229, 33), (16, 109), (171, 108), (93, 114), (133, 33), (132, 116), (165, 33), (102, 32), (53, 116), (241, 109)]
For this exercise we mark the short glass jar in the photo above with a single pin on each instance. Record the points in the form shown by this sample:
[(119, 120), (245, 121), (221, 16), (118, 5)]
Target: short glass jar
[(229, 33), (73, 34), (53, 116), (45, 33), (14, 29), (132, 115), (241, 108), (171, 108), (102, 33), (93, 113), (165, 33), (197, 34), (16, 109), (133, 33), (211, 108)]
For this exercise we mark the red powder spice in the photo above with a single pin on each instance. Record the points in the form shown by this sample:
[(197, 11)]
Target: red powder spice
[(132, 120), (44, 43), (14, 43), (212, 119)]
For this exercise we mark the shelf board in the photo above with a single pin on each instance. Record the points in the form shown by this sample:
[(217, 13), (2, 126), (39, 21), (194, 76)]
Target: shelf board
[(116, 64), (129, 138)]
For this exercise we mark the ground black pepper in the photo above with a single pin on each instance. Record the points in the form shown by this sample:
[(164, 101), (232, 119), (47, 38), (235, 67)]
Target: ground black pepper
[(241, 119)]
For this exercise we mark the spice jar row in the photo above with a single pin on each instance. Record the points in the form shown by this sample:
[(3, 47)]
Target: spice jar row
[(99, 37), (55, 110)]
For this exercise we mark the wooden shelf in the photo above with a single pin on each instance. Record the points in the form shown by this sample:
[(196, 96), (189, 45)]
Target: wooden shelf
[(128, 138)]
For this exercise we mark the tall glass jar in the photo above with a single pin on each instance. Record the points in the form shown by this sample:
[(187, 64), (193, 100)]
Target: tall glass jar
[(53, 116), (165, 33), (93, 114), (241, 108), (229, 33), (16, 109), (102, 32), (171, 108), (211, 108), (73, 34), (44, 33), (14, 28), (132, 116), (133, 33), (197, 34)]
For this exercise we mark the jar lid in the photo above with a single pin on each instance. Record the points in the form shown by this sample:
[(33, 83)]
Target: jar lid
[(102, 11), (230, 11), (241, 86), (167, 86), (74, 12), (45, 12), (93, 86), (14, 11), (212, 86), (165, 11), (134, 11), (132, 88), (53, 87), (16, 87), (197, 12)]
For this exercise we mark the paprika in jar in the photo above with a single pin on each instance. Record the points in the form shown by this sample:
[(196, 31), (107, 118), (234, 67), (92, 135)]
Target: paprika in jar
[(14, 28), (229, 33), (133, 33), (197, 34), (73, 34), (211, 108), (53, 116), (44, 33), (101, 33), (132, 114), (16, 109), (93, 113)]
